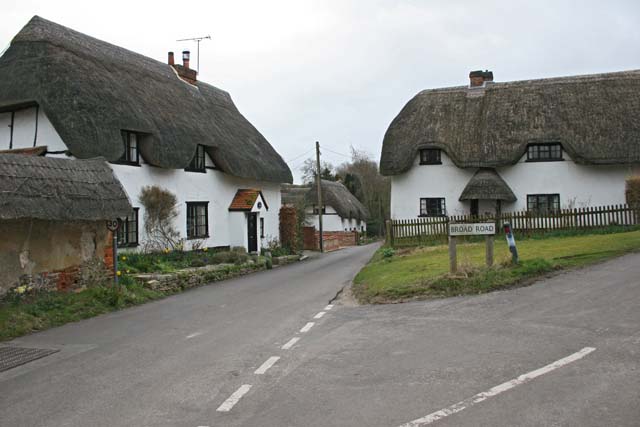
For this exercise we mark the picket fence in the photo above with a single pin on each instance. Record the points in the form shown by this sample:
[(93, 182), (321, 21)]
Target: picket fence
[(411, 231)]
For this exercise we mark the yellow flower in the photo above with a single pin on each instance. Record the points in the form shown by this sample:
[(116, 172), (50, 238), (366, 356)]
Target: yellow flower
[(128, 271), (20, 289), (124, 258), (205, 249), (118, 273)]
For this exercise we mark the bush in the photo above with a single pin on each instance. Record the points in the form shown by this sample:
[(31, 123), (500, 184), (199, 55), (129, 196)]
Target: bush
[(633, 191), (388, 252)]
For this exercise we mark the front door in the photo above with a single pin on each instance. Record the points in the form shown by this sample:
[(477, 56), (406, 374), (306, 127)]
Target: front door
[(252, 229), (474, 207)]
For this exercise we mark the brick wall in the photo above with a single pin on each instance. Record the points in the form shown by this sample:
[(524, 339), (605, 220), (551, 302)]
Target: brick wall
[(332, 239)]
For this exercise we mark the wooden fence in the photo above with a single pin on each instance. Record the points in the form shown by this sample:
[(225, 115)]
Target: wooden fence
[(420, 230)]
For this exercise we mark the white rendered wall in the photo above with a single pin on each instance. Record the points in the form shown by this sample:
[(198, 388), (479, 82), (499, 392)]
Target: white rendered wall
[(578, 185), (331, 221), (24, 131), (218, 188), (225, 228)]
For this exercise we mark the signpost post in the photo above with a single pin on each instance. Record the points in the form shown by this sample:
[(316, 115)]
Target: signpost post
[(487, 229), (112, 225)]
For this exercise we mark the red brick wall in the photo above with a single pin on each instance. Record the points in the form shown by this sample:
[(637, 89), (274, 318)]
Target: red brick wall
[(332, 239)]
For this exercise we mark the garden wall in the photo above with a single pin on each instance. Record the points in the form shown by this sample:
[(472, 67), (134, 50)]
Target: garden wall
[(332, 239)]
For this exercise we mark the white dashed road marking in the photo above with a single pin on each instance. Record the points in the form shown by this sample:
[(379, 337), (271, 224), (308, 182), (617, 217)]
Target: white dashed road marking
[(234, 398), (195, 334), (522, 379), (290, 343), (319, 315), (266, 365), (329, 307), (306, 327)]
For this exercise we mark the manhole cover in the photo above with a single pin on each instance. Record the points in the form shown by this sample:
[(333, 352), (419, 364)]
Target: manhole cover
[(10, 357)]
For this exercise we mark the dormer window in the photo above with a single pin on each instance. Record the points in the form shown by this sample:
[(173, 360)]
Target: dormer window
[(544, 152), (131, 155), (430, 156), (197, 163)]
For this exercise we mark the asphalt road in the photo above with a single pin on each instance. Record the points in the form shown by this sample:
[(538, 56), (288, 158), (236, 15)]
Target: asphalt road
[(181, 361)]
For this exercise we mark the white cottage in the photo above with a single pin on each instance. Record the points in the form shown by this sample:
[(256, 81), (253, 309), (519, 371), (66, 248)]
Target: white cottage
[(71, 95), (535, 145), (341, 210)]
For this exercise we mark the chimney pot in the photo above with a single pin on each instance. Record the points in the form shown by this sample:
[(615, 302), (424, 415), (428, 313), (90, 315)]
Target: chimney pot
[(479, 77), (185, 58), (171, 60)]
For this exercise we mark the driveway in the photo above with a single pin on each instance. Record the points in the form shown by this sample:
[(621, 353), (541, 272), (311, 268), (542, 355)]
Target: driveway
[(269, 350)]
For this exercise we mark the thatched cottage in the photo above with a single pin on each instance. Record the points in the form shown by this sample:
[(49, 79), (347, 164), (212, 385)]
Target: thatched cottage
[(341, 210), (535, 145), (53, 215), (156, 124)]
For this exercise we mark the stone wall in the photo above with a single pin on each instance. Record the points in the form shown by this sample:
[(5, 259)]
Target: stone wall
[(53, 255)]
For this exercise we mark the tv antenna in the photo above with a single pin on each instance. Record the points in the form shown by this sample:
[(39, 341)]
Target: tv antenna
[(197, 40)]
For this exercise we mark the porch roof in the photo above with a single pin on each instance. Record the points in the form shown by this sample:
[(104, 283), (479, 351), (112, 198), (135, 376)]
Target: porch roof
[(487, 184), (245, 199)]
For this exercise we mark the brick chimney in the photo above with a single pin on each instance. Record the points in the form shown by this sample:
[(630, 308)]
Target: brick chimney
[(186, 55), (185, 73), (479, 78)]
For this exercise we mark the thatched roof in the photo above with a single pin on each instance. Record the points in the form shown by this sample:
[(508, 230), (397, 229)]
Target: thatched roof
[(334, 194), (58, 189), (596, 118), (91, 90), (486, 184)]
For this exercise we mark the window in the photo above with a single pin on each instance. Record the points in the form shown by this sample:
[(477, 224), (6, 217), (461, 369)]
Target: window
[(315, 210), (197, 220), (130, 155), (543, 203), (433, 206), (262, 228), (544, 152), (430, 156), (128, 230), (197, 163)]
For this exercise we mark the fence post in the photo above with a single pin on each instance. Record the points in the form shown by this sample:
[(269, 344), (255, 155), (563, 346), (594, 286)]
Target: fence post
[(389, 230)]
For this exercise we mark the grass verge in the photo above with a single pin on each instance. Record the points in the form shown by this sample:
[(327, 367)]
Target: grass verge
[(420, 273), (20, 316)]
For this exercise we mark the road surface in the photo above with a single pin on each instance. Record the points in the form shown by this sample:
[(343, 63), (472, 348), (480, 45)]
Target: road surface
[(256, 351)]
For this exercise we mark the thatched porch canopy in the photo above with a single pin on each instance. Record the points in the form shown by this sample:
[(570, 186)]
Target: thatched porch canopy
[(91, 90), (487, 184), (596, 118), (57, 189)]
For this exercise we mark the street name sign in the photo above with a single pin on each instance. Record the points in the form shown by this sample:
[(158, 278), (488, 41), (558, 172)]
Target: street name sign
[(477, 229)]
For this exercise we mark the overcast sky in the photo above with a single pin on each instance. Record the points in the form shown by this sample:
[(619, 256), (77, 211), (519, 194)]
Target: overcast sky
[(339, 71)]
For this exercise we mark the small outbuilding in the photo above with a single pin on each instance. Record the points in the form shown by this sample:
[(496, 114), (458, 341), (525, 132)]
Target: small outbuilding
[(343, 215), (53, 214)]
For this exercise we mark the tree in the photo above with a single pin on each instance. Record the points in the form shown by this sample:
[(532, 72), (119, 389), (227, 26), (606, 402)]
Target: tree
[(309, 167), (362, 177)]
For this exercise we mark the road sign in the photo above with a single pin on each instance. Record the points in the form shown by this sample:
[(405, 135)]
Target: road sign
[(477, 229), (112, 225)]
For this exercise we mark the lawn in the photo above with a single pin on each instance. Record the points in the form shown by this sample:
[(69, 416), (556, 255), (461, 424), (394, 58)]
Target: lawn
[(423, 272)]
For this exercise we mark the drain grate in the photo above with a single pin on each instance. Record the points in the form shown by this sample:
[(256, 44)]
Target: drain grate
[(10, 357)]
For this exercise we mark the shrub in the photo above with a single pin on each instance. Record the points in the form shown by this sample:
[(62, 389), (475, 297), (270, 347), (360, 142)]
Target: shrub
[(633, 191), (388, 252), (159, 213)]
